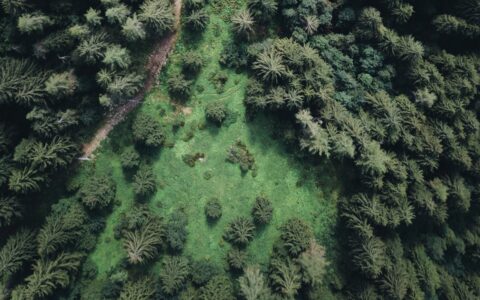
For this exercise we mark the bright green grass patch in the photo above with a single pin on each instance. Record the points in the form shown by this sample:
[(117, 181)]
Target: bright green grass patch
[(309, 193)]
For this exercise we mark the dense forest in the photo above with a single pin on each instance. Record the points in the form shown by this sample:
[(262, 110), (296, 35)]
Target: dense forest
[(385, 91)]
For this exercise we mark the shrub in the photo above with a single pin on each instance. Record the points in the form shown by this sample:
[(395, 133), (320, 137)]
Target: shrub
[(240, 231), (313, 264), (213, 209), (98, 192), (218, 288), (179, 86), (202, 272), (177, 231), (216, 112), (142, 244), (253, 285), (262, 210), (192, 62), (142, 289), (296, 235), (148, 131), (175, 270), (197, 20), (239, 154), (144, 182), (130, 159), (237, 259)]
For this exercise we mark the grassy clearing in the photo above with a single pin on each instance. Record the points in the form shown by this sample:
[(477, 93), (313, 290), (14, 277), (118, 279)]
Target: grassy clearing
[(292, 187)]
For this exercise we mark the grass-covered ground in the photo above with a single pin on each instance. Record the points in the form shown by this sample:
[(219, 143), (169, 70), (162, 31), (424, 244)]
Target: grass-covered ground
[(295, 190)]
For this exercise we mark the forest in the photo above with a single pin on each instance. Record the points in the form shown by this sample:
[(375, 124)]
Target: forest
[(240, 149)]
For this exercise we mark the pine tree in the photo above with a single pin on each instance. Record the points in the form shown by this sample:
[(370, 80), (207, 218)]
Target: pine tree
[(30, 23), (240, 231), (286, 277), (243, 22), (20, 81), (117, 57), (269, 66), (18, 249), (141, 289), (144, 181), (93, 17), (24, 181), (61, 84), (92, 48), (253, 285), (10, 211), (157, 15), (175, 271), (142, 244), (49, 275), (117, 14), (133, 29)]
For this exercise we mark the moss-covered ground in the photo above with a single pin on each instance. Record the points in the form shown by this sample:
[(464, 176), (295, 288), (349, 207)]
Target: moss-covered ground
[(295, 188)]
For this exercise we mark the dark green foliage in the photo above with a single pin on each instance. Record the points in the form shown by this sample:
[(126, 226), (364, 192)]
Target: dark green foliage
[(144, 181), (24, 181), (175, 270), (192, 62), (142, 289), (219, 287), (130, 159), (237, 258), (243, 23), (240, 231), (157, 15), (253, 285), (10, 211), (148, 131), (98, 192), (202, 271), (143, 241), (18, 249), (239, 154), (313, 264), (197, 19), (213, 209), (178, 86), (296, 235), (64, 226), (285, 276), (216, 112), (262, 210), (20, 81), (176, 232), (49, 275), (191, 159), (133, 29)]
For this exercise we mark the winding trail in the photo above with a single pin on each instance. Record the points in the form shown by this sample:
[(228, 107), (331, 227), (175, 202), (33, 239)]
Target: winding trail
[(155, 63)]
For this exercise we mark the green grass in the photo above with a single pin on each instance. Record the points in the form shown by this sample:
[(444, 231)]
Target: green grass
[(295, 190)]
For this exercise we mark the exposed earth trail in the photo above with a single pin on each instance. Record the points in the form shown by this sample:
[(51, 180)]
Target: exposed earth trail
[(156, 61)]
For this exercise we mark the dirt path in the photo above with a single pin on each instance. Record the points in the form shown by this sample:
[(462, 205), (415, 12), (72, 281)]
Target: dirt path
[(156, 61)]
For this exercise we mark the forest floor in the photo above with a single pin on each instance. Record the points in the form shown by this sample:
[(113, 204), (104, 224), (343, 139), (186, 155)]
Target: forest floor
[(296, 189), (154, 65)]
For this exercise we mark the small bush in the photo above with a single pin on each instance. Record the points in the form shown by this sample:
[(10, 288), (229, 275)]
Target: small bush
[(213, 209), (192, 62), (98, 192), (240, 231), (202, 272), (237, 259), (148, 131), (296, 236), (130, 159), (262, 211), (144, 182), (216, 112)]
